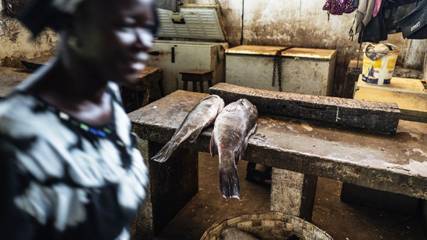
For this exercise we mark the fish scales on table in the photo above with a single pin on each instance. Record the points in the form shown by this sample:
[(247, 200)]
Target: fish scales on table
[(232, 130), (200, 117)]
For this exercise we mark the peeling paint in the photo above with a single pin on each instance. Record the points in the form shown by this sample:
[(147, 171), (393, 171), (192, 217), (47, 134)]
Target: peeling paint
[(16, 43)]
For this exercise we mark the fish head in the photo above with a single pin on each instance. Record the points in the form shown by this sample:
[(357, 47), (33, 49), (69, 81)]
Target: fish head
[(248, 105)]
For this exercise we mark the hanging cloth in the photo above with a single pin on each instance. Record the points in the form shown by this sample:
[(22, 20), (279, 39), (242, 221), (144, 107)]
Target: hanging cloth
[(377, 8), (363, 16), (339, 7), (414, 26)]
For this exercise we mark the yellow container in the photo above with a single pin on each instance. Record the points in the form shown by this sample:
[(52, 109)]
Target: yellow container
[(379, 71)]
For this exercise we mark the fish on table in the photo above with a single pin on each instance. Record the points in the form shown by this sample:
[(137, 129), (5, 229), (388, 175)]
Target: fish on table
[(233, 127), (200, 117)]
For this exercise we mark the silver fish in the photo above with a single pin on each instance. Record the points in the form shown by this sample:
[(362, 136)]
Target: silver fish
[(232, 130), (200, 117), (236, 234)]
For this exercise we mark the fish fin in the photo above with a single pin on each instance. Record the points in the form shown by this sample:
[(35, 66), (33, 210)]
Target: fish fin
[(242, 150), (213, 149), (229, 182), (166, 152)]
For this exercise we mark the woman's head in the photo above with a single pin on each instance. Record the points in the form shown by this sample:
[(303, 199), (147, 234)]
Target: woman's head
[(111, 37)]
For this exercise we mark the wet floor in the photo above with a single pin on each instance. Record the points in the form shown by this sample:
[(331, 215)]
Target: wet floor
[(340, 220)]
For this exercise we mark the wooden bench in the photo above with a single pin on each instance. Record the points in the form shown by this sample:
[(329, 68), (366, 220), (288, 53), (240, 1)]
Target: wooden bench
[(298, 151)]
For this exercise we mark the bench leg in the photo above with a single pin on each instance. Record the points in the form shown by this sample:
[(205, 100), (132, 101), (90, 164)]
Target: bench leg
[(201, 86), (293, 193), (194, 86), (185, 85), (172, 185)]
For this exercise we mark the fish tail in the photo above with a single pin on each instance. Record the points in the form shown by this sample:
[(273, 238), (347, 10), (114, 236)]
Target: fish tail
[(166, 152), (229, 179)]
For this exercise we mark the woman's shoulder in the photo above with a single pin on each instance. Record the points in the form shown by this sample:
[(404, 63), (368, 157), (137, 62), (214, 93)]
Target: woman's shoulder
[(33, 135)]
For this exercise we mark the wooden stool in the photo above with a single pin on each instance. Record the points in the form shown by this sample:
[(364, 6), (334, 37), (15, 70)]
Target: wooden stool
[(197, 76)]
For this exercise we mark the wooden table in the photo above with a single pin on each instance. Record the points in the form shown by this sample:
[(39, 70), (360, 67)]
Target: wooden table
[(144, 91), (395, 164), (409, 94)]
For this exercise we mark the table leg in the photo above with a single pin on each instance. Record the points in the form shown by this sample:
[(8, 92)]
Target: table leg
[(185, 85), (201, 86), (194, 86), (172, 185), (293, 193), (162, 91)]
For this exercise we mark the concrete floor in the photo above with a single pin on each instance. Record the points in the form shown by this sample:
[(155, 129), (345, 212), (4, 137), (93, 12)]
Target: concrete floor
[(340, 220)]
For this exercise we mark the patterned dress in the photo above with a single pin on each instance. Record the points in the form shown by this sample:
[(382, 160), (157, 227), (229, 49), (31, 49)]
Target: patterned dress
[(65, 179)]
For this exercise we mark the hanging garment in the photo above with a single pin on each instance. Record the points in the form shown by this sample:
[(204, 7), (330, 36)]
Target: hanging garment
[(377, 8), (369, 10), (375, 31), (414, 25), (339, 7), (362, 17), (387, 20)]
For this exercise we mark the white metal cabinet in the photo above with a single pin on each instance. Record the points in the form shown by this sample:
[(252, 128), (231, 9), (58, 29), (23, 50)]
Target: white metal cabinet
[(203, 48), (177, 56), (304, 70)]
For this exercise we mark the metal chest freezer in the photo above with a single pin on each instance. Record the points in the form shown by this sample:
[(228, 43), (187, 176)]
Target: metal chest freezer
[(192, 39), (304, 70)]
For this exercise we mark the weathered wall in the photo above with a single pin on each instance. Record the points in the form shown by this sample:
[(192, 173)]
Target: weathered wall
[(302, 23), (16, 43)]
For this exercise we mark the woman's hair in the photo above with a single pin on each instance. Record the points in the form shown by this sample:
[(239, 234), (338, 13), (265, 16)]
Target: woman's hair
[(56, 14), (41, 14)]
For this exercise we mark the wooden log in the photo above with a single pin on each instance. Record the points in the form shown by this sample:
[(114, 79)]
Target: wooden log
[(370, 116)]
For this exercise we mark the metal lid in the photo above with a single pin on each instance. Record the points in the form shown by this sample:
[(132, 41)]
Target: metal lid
[(198, 23)]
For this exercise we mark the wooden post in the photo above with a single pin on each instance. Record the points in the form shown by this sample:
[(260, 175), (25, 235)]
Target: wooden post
[(172, 185), (293, 193)]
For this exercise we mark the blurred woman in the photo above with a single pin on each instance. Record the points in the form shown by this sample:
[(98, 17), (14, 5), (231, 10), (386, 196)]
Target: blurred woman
[(70, 168)]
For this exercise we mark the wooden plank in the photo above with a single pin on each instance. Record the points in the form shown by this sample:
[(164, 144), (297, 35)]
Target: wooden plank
[(255, 50), (395, 164), (408, 94), (374, 117)]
